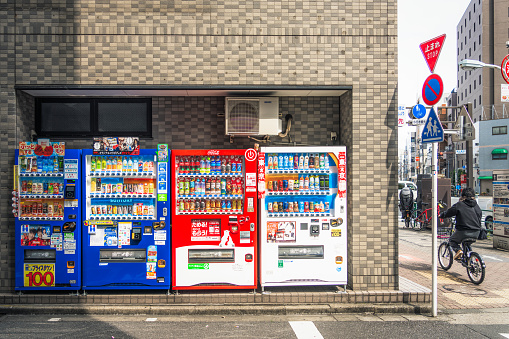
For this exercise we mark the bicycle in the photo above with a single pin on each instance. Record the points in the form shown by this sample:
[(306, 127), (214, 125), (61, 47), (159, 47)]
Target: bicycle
[(472, 261), (423, 219)]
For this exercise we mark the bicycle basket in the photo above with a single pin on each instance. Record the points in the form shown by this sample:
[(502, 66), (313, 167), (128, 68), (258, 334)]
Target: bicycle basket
[(444, 233)]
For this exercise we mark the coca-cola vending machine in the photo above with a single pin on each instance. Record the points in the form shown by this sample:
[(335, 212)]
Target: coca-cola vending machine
[(214, 235)]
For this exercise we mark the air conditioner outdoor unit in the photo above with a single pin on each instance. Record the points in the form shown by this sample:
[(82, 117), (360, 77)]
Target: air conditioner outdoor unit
[(252, 116)]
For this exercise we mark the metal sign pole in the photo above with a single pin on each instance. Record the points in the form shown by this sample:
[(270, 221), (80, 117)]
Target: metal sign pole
[(434, 225)]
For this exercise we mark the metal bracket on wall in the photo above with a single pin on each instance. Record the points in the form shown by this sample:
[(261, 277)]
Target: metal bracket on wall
[(231, 139)]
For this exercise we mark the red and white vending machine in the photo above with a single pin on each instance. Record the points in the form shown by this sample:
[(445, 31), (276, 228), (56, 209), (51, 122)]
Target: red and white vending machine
[(214, 212)]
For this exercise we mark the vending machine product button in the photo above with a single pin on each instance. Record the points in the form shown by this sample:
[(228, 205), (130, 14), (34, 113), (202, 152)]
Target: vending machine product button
[(249, 257)]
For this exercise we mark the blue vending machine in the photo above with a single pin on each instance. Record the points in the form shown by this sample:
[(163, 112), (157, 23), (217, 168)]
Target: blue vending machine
[(48, 219), (126, 225)]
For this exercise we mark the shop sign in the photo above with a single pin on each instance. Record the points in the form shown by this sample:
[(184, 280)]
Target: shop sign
[(261, 175)]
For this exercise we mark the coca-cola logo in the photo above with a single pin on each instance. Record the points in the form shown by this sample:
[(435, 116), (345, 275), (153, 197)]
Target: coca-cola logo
[(213, 152)]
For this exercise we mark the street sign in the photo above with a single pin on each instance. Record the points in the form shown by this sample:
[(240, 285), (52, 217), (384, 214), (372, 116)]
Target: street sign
[(416, 122), (431, 51), (505, 68), (433, 131), (432, 89), (465, 126), (461, 151), (419, 111)]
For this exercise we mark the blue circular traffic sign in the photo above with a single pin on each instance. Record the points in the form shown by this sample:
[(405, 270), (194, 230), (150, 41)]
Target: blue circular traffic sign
[(432, 89), (419, 111)]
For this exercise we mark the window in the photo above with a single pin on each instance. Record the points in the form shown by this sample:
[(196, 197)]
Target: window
[(474, 46), (480, 100), (474, 26), (499, 154), (85, 117), (479, 79), (474, 85), (469, 52), (469, 89), (498, 130), (479, 39), (475, 105), (461, 45)]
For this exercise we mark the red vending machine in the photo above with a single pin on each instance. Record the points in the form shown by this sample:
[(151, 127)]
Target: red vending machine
[(214, 234)]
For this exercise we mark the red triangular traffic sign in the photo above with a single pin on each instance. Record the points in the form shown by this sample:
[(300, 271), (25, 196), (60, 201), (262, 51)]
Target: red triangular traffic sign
[(431, 50)]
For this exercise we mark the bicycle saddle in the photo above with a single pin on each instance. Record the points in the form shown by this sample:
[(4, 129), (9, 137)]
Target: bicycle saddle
[(469, 240)]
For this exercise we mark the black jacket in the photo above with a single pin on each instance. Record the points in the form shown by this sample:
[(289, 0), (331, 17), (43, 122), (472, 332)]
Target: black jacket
[(468, 215)]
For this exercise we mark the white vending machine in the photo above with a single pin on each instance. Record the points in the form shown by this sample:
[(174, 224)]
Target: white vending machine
[(303, 214)]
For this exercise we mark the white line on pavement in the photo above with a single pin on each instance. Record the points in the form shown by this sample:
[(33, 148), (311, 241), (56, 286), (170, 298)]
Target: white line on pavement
[(151, 319), (305, 330), (506, 335), (55, 319), (492, 258)]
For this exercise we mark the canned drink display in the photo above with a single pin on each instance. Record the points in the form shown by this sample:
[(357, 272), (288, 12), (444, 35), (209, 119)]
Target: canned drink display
[(311, 206), (275, 206), (285, 206), (285, 185), (269, 207), (326, 206), (306, 206), (290, 185)]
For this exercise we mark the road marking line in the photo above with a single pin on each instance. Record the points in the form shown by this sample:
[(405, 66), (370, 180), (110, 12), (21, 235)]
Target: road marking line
[(151, 319), (492, 258), (55, 319), (504, 335), (305, 330)]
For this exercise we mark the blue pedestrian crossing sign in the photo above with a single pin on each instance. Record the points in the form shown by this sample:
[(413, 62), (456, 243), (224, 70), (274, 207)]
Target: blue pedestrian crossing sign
[(433, 131)]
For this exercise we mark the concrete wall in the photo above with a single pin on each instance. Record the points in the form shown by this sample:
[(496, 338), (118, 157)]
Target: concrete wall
[(222, 43)]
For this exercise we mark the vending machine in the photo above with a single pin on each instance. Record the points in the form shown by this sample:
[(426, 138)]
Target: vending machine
[(214, 218), (303, 208), (47, 212), (126, 242)]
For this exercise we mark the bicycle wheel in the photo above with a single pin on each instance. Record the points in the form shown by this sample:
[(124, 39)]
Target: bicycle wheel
[(476, 268), (445, 256), (421, 222)]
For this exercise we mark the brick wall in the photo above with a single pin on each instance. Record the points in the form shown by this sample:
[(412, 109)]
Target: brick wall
[(224, 43)]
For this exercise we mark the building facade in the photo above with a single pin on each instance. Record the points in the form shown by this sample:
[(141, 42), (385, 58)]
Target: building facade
[(333, 65)]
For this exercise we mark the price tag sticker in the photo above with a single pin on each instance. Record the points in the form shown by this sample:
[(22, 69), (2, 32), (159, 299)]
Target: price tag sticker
[(39, 275)]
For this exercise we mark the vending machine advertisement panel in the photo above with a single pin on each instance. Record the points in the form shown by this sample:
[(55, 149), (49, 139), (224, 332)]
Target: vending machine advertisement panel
[(501, 209), (214, 218), (126, 234), (303, 210), (47, 209)]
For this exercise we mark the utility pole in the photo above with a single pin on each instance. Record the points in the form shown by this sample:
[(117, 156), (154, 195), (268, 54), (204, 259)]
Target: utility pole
[(470, 154)]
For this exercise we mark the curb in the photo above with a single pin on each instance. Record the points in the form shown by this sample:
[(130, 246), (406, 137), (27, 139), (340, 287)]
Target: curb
[(211, 309)]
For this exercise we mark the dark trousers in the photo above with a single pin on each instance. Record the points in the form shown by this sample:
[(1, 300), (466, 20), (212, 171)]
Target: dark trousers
[(458, 236)]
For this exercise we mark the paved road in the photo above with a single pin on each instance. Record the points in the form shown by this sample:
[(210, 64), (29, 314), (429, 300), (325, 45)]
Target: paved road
[(455, 291), (481, 325)]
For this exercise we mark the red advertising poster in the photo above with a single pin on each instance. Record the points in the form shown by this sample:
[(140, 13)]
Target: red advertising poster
[(205, 230), (42, 148), (342, 175)]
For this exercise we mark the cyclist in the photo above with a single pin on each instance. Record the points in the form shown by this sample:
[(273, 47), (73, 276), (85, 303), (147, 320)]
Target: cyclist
[(468, 220), (406, 203)]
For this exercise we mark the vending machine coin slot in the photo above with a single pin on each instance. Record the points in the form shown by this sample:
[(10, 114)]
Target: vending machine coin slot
[(70, 264), (147, 230), (252, 227), (249, 257), (70, 191), (72, 216), (165, 211), (136, 234), (233, 224), (314, 230)]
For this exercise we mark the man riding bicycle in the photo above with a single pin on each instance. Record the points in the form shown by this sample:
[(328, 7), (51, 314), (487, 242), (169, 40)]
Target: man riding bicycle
[(468, 220), (406, 203)]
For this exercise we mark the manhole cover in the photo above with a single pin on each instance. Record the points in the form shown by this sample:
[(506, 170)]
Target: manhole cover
[(464, 289)]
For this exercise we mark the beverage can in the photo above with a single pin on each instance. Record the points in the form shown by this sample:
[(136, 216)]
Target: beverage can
[(306, 161), (285, 185), (223, 205), (285, 161), (311, 206), (290, 185), (311, 182), (306, 207), (281, 161), (296, 206), (311, 161), (269, 162), (269, 207), (275, 162), (322, 183), (228, 204), (275, 206), (285, 206), (326, 206), (301, 206)]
